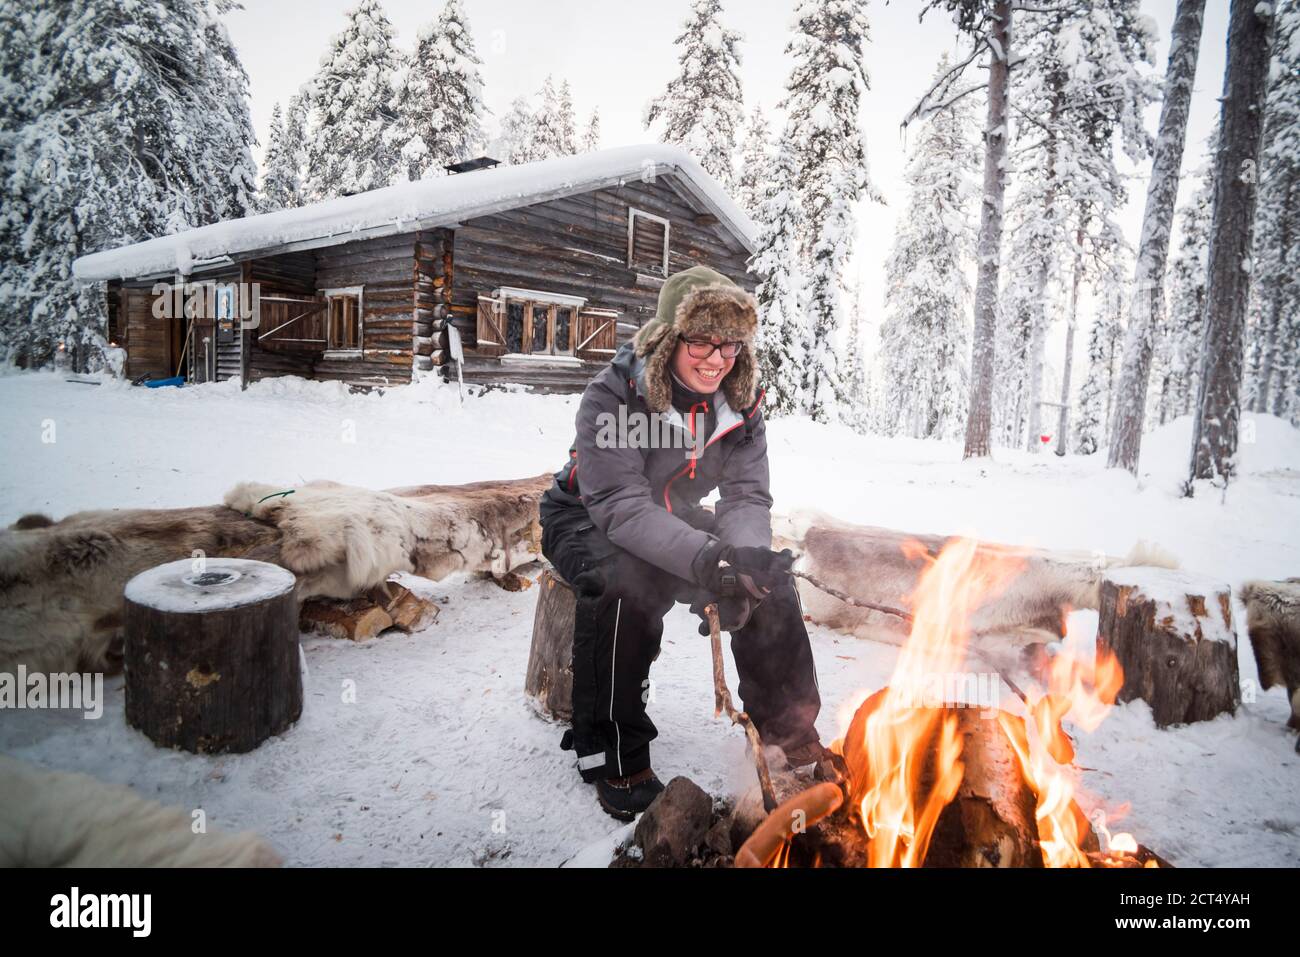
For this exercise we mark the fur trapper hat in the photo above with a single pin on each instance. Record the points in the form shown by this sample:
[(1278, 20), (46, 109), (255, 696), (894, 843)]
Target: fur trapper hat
[(699, 302)]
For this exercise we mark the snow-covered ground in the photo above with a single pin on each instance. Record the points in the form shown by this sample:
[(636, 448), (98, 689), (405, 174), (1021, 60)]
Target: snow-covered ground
[(440, 760)]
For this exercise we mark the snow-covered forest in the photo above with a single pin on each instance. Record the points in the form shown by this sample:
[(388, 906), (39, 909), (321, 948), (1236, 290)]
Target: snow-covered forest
[(1013, 307), (1063, 318)]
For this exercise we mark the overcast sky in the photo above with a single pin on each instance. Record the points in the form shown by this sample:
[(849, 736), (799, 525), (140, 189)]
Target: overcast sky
[(617, 55)]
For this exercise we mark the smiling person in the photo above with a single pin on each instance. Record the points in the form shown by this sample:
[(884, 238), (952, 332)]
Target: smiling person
[(624, 525)]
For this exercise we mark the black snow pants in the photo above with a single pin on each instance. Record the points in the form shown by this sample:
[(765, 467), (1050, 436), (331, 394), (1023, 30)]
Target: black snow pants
[(621, 603)]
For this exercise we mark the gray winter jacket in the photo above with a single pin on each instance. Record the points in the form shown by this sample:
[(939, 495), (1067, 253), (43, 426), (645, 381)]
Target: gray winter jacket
[(647, 500)]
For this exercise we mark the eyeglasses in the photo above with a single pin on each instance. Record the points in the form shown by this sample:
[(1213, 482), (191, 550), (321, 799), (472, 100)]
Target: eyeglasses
[(703, 348)]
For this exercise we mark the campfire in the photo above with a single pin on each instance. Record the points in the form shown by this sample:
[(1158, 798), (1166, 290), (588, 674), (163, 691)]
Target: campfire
[(933, 781)]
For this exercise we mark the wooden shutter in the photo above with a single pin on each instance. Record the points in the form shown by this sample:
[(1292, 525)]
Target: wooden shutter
[(490, 331), (290, 323), (647, 242), (597, 336)]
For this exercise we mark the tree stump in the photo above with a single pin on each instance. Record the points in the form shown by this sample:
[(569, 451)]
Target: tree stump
[(550, 659), (211, 656), (1173, 636)]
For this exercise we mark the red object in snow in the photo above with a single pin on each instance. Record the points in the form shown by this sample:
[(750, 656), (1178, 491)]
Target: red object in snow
[(1044, 439)]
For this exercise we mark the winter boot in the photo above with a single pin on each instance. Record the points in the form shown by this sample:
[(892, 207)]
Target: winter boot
[(625, 798)]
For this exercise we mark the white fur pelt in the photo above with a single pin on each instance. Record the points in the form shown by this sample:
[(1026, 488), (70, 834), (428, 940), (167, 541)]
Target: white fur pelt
[(341, 540), (869, 564), (1273, 621), (60, 819)]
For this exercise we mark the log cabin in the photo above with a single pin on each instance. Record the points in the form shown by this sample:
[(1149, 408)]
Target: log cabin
[(531, 274)]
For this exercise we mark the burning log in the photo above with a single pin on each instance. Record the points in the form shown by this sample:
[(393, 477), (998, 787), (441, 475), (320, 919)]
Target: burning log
[(984, 819), (212, 660), (1173, 635)]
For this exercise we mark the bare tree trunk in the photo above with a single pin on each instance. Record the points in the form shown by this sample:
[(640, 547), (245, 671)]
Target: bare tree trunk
[(1038, 329), (979, 419), (1268, 350), (1245, 84), (1063, 423), (1153, 250)]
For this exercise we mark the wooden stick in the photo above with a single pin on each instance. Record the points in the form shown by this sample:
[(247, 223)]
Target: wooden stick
[(722, 702), (849, 599)]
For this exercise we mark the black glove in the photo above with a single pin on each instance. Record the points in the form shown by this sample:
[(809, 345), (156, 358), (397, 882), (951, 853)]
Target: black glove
[(738, 579), (760, 569), (733, 612)]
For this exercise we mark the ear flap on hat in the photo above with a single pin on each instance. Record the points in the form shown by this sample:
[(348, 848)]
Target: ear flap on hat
[(658, 378), (742, 381), (649, 336)]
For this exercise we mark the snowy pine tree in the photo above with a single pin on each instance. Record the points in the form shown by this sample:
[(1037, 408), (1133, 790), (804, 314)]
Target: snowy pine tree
[(858, 414), (355, 141), (925, 339), (117, 123), (440, 103), (281, 186), (755, 163), (568, 121), (517, 141), (823, 98), (775, 267), (553, 125), (1096, 397), (702, 110), (591, 136)]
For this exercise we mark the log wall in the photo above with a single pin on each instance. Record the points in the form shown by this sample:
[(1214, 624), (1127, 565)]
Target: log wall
[(578, 246)]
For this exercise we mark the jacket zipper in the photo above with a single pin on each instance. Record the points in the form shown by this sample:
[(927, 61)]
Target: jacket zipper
[(691, 468)]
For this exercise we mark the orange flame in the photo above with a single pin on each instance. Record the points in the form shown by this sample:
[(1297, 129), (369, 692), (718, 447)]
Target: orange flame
[(906, 763), (1082, 687), (904, 759)]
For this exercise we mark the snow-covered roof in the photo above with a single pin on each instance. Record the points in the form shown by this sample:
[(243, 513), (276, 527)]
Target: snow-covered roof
[(424, 204)]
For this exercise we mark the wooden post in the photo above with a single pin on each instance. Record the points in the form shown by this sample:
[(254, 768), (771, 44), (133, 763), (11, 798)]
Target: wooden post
[(550, 659), (211, 654), (1172, 633)]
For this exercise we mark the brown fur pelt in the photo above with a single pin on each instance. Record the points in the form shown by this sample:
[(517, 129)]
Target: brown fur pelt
[(61, 582), (1273, 621), (868, 563), (60, 819)]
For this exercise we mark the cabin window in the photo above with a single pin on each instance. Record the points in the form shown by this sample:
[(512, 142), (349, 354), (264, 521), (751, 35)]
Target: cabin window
[(647, 243), (528, 322), (343, 324), (515, 326)]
